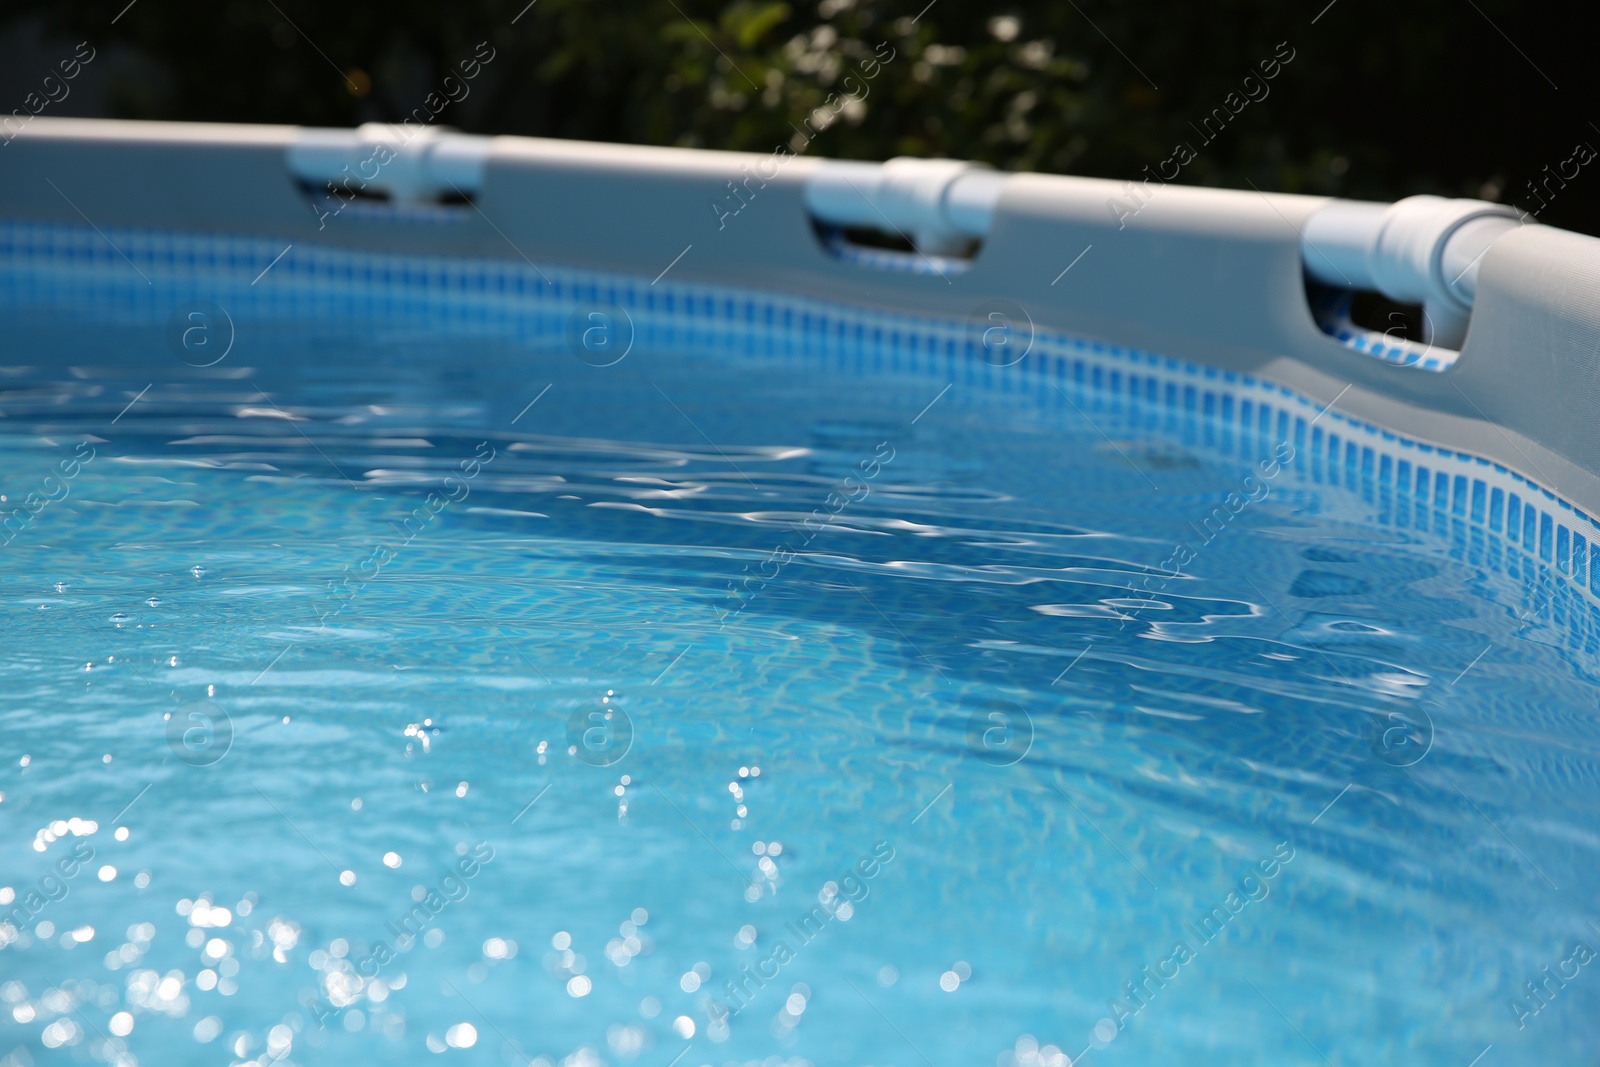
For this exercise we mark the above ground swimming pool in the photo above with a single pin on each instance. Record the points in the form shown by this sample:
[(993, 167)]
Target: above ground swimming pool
[(448, 624)]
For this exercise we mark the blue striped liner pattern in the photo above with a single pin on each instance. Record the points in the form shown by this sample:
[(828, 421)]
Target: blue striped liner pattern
[(1332, 314), (841, 248), (1487, 515)]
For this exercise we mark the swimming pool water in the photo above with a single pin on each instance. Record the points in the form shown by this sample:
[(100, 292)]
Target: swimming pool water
[(390, 689)]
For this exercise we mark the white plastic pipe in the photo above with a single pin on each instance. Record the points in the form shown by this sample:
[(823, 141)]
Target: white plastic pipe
[(1337, 241), (1464, 249), (843, 194), (1421, 250), (939, 205), (411, 164), (971, 199)]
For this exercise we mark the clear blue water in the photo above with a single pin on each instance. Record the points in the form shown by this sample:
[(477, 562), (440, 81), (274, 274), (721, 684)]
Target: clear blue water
[(609, 752)]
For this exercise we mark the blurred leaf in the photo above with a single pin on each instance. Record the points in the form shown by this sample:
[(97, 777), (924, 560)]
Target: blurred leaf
[(749, 22)]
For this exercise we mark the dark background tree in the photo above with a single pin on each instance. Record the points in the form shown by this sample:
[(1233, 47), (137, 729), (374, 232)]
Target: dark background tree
[(1459, 97)]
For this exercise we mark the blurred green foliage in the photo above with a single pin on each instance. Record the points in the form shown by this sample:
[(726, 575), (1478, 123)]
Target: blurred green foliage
[(1380, 100)]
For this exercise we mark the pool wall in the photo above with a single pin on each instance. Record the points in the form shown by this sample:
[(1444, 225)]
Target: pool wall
[(1214, 276)]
